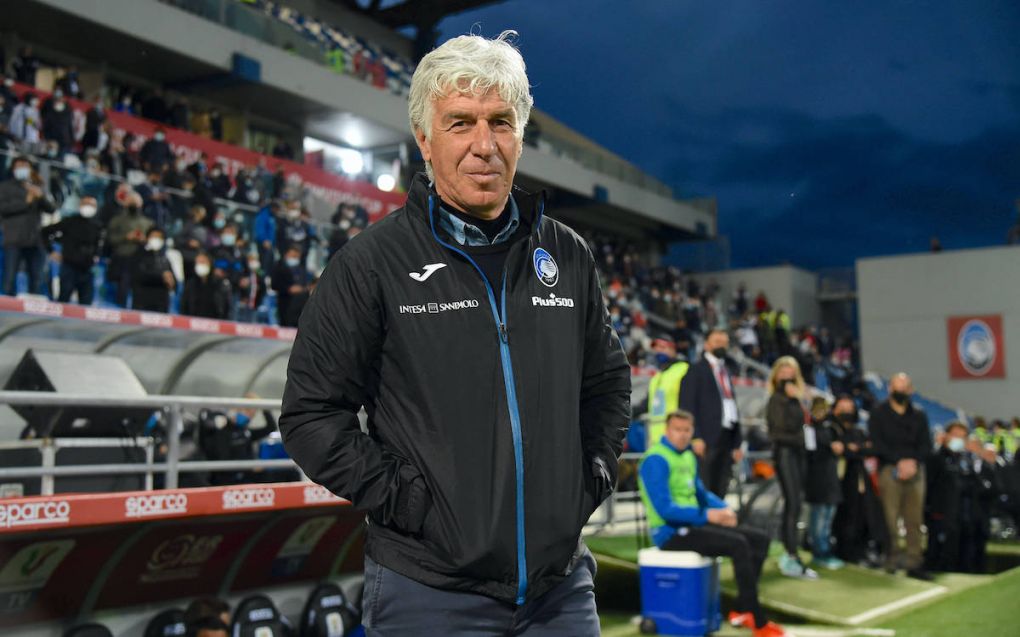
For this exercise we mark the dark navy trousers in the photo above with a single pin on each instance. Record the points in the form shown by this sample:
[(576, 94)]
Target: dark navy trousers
[(397, 606)]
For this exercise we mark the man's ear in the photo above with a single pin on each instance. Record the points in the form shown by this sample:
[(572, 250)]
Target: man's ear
[(424, 145)]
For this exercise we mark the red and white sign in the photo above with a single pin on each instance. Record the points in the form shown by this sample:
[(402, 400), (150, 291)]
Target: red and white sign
[(43, 307), (977, 347), (332, 188), (27, 514)]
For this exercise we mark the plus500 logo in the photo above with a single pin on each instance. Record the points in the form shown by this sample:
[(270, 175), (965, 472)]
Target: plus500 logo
[(553, 301), (145, 505), (29, 513)]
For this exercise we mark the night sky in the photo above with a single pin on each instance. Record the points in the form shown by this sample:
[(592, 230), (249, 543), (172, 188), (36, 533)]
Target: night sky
[(827, 130)]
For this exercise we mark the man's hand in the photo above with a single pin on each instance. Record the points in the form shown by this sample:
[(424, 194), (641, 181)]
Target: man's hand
[(837, 448), (33, 192), (722, 517), (906, 468), (55, 257), (168, 279), (853, 446), (738, 454), (698, 445), (296, 289)]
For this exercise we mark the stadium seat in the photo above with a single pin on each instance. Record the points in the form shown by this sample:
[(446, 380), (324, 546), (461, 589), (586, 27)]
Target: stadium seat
[(88, 630), (257, 616), (169, 623), (328, 613)]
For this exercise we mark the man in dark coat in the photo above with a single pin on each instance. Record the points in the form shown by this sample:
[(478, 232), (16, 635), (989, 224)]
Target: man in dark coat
[(153, 278), (79, 237), (207, 294), (290, 279), (22, 202)]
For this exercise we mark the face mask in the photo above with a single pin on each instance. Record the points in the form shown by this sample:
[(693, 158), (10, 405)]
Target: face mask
[(719, 352), (253, 265), (215, 173), (956, 445), (87, 211), (661, 358), (21, 173), (229, 240), (781, 386), (294, 214), (847, 418), (219, 223), (159, 137), (182, 166), (242, 420), (155, 244), (59, 106), (8, 82), (900, 397), (292, 262), (34, 103), (202, 269)]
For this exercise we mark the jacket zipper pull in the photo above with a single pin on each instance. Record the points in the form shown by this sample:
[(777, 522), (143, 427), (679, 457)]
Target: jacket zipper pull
[(502, 333)]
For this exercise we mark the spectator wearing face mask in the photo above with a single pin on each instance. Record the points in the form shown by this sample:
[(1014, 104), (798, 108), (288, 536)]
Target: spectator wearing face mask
[(94, 120), (219, 182), (902, 444), (290, 279), (251, 289), (192, 239), (153, 279), (228, 259), (22, 203), (859, 526), (155, 199), (156, 154), (7, 92), (58, 122), (26, 122), (79, 237), (207, 294), (960, 488), (293, 230), (126, 235)]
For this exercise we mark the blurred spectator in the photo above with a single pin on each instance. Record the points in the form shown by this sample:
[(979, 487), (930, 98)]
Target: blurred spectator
[(155, 153), (180, 114), (25, 65), (155, 200), (741, 301), (785, 419), (192, 239), (218, 182), (154, 107), (126, 235), (230, 436), (293, 230), (290, 280), (207, 627), (79, 237), (153, 279), (58, 122), (901, 442), (26, 122), (283, 150), (68, 83), (761, 302), (228, 258), (822, 488), (22, 203), (251, 289), (94, 120), (859, 526), (206, 608), (207, 294), (265, 233), (216, 125)]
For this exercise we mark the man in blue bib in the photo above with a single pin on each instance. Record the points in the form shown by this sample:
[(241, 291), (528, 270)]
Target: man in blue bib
[(684, 516)]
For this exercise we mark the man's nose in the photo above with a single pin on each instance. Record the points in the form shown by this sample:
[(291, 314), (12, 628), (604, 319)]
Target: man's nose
[(483, 142)]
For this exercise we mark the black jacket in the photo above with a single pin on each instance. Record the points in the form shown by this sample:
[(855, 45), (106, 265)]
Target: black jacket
[(485, 436), (894, 437), (784, 417), (21, 220), (699, 394), (209, 298), (822, 485), (149, 289), (79, 240)]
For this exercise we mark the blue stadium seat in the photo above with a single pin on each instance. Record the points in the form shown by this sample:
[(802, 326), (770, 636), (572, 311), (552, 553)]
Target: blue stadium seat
[(88, 630), (257, 616), (328, 613)]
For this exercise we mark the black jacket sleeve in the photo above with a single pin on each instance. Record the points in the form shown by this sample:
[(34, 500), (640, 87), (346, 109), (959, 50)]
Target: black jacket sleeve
[(605, 388), (881, 446), (332, 373), (690, 391)]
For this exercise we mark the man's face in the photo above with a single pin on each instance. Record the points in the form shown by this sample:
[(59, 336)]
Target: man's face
[(843, 406), (901, 384), (679, 432), (474, 150), (717, 340)]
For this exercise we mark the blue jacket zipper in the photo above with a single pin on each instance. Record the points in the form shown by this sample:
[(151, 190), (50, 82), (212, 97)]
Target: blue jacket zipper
[(511, 398)]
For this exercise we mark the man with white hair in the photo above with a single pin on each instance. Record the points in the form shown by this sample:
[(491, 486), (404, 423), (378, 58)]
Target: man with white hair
[(471, 328)]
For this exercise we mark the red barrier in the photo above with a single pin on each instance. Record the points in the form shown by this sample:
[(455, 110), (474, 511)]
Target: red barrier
[(67, 555), (43, 307)]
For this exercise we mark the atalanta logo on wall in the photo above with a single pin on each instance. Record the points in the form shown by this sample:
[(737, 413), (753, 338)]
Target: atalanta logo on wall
[(975, 346), (545, 268)]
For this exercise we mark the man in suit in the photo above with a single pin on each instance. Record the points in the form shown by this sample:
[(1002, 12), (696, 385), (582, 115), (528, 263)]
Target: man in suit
[(707, 392)]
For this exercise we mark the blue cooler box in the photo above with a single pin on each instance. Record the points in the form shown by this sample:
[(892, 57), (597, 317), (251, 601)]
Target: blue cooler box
[(679, 592)]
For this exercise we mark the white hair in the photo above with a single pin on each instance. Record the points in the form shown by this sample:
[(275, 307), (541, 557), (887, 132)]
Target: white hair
[(470, 64)]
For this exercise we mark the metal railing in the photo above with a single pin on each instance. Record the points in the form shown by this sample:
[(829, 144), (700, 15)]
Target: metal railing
[(172, 467)]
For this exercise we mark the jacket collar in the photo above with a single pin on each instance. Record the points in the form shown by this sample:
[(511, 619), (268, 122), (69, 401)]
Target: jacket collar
[(530, 205)]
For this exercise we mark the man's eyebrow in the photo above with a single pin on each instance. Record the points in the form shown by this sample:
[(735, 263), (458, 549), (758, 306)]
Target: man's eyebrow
[(455, 115)]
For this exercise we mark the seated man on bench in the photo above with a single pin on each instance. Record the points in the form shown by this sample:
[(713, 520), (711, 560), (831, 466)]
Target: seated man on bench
[(685, 516)]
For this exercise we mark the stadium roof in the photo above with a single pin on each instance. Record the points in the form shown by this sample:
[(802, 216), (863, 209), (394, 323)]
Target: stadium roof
[(404, 13)]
